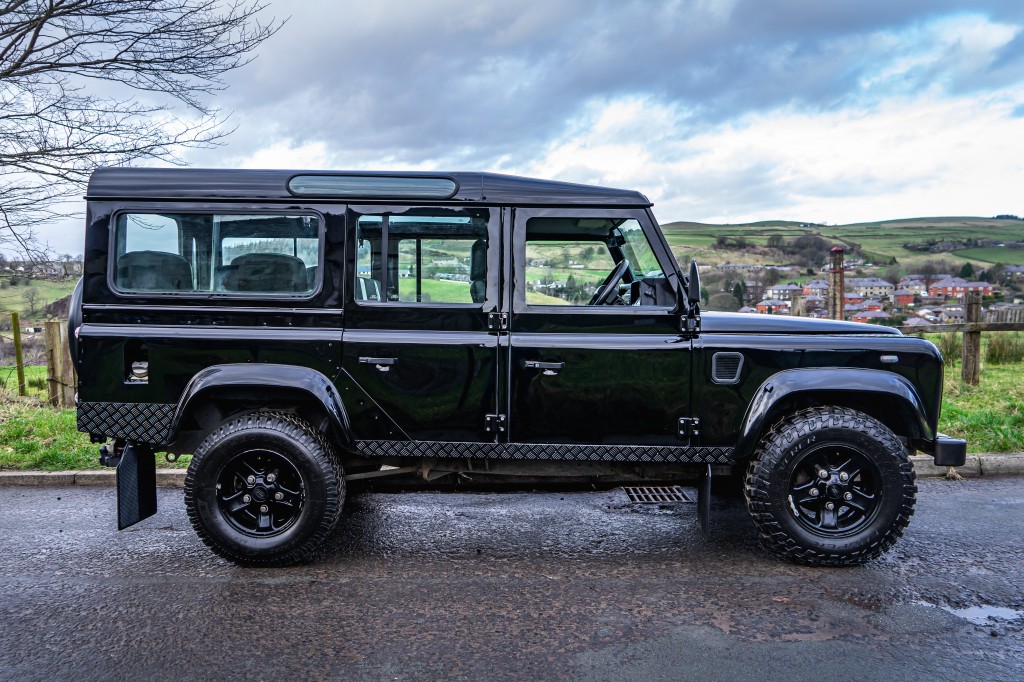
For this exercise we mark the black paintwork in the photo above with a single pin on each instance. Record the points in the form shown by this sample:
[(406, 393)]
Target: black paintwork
[(569, 384), (200, 184)]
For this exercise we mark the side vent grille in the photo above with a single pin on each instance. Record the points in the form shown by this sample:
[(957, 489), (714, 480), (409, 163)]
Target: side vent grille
[(725, 367)]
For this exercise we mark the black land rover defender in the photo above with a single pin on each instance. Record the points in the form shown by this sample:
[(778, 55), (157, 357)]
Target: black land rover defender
[(297, 331)]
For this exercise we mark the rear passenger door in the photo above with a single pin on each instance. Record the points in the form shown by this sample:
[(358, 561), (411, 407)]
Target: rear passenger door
[(416, 346)]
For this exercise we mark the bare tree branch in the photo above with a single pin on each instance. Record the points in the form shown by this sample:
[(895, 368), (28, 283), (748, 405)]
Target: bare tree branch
[(57, 121)]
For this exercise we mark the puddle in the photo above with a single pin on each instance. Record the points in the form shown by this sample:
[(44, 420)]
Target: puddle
[(982, 615)]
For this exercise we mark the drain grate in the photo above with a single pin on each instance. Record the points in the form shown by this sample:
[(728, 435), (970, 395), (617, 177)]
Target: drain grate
[(656, 494)]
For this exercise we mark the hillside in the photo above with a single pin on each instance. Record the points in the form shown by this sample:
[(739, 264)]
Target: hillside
[(879, 241)]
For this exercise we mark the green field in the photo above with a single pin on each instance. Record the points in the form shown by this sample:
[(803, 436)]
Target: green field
[(993, 254), (35, 381), (12, 298), (879, 241)]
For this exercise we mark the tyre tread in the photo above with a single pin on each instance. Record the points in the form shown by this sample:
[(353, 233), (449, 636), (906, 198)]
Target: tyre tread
[(783, 435), (316, 444)]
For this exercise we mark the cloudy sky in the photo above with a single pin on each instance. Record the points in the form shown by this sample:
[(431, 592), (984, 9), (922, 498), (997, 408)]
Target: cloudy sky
[(718, 110)]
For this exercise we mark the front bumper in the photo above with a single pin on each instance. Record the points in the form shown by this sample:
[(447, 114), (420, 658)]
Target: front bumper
[(946, 451)]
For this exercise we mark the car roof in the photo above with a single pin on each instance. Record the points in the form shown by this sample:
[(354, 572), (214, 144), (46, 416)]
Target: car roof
[(272, 185)]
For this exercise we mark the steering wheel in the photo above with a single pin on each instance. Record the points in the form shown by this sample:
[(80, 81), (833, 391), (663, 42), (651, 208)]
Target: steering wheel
[(609, 289)]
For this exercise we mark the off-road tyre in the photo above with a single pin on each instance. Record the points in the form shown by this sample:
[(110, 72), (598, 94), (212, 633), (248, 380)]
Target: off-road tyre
[(297, 458), (778, 480)]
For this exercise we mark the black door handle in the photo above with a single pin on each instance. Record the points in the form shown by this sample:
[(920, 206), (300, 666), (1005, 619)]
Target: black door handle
[(550, 368), (382, 364)]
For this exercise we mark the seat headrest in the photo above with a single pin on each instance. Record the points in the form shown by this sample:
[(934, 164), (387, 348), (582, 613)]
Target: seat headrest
[(153, 271)]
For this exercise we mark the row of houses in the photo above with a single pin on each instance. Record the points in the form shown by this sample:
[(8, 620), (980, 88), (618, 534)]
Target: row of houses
[(901, 294), (53, 269), (864, 310)]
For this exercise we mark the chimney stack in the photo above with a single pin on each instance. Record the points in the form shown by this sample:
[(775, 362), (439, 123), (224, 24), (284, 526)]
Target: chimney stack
[(836, 285)]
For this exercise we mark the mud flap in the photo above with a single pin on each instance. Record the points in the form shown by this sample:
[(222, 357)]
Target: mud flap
[(136, 485), (704, 502)]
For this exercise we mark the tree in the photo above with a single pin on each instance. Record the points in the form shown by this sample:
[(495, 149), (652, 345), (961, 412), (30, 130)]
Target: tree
[(929, 272), (737, 293), (85, 83), (724, 302), (31, 298), (995, 274), (892, 274), (588, 256), (966, 271)]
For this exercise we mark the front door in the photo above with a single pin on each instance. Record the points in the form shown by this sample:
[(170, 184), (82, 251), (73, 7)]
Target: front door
[(596, 356)]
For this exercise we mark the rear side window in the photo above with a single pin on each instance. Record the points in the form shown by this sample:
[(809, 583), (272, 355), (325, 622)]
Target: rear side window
[(422, 255), (213, 253)]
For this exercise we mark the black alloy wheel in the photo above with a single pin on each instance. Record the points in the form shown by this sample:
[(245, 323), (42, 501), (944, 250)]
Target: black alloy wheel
[(260, 493), (830, 486), (264, 489), (834, 490)]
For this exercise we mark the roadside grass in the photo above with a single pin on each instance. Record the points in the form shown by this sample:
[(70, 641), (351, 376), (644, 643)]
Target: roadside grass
[(990, 415), (34, 435)]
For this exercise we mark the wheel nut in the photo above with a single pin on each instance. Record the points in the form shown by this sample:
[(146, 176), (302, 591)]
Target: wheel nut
[(251, 480), (264, 508), (271, 478), (848, 496), (829, 506), (823, 474), (278, 496), (247, 498), (844, 476), (814, 492)]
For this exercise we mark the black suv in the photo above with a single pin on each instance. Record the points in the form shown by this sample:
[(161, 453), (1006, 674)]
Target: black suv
[(297, 331)]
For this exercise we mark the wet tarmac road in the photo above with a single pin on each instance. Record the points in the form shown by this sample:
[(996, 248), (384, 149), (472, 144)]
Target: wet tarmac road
[(510, 586)]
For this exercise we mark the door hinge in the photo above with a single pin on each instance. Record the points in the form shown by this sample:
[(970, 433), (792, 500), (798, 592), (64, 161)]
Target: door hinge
[(497, 322), (688, 428), (690, 325), (494, 423)]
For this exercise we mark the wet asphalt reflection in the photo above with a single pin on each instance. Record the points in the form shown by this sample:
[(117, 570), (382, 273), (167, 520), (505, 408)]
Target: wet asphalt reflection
[(510, 586)]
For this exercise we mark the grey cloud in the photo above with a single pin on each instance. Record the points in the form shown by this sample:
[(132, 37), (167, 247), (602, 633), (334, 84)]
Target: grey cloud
[(469, 82)]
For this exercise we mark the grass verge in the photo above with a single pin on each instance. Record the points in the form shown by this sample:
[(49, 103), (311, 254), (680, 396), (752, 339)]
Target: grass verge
[(990, 415), (34, 435)]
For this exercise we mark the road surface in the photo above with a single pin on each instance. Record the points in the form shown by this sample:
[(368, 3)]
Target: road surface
[(510, 587)]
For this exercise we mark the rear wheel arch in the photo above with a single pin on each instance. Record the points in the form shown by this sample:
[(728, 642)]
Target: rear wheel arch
[(224, 392)]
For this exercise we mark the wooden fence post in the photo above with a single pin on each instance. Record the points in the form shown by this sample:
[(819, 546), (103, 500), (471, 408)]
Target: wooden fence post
[(19, 363), (60, 371), (970, 366)]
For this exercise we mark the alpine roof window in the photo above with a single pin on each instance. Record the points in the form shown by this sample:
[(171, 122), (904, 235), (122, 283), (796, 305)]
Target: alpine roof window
[(373, 186)]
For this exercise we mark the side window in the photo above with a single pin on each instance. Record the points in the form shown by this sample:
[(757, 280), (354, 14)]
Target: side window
[(565, 272), (422, 256), (216, 253), (589, 261)]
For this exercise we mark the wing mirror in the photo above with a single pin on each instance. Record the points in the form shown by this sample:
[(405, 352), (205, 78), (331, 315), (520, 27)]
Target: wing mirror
[(693, 284)]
